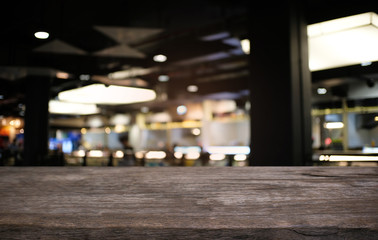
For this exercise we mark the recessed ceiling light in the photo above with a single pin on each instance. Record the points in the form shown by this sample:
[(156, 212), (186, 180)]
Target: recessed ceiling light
[(192, 88), (321, 91), (181, 110), (160, 58), (42, 35), (245, 44), (163, 78)]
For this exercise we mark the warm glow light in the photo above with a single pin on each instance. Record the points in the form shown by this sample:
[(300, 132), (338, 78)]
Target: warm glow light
[(344, 41), (95, 153), (321, 91), (108, 130), (83, 131), (334, 125), (42, 35), (192, 88), (119, 128), (155, 155), (196, 131), (118, 154), (139, 154), (240, 157), (178, 155), (246, 47), (192, 155), (217, 156), (79, 153), (62, 75), (347, 158), (111, 95), (59, 107), (376, 118), (160, 58), (229, 150)]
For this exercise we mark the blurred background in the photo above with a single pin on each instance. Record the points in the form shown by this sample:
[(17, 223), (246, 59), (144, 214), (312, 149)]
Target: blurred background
[(189, 83)]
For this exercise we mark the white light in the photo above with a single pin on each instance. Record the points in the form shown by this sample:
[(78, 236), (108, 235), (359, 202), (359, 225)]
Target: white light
[(181, 110), (120, 119), (229, 150), (155, 155), (196, 131), (192, 155), (334, 125), (245, 44), (84, 77), (58, 107), (342, 42), (240, 157), (163, 78), (118, 154), (144, 109), (364, 64), (347, 158), (42, 35), (321, 91), (111, 95), (192, 88), (217, 156), (160, 58), (370, 150)]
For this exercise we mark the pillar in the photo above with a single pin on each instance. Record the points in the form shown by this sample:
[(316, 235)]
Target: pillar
[(36, 121), (280, 85)]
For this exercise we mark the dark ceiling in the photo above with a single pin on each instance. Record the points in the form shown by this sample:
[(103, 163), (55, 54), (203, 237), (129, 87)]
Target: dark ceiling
[(101, 37)]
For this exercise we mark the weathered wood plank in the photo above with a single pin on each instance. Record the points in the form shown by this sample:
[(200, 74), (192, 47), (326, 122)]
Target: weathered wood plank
[(188, 203)]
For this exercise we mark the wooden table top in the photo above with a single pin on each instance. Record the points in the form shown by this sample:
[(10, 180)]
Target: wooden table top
[(188, 203)]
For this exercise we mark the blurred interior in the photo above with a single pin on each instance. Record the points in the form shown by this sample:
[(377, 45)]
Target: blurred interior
[(174, 78)]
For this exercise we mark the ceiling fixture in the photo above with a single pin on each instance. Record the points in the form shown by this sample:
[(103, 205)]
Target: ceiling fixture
[(245, 44), (334, 125), (160, 58), (163, 78), (41, 35), (192, 88), (343, 42), (58, 107), (107, 95), (321, 91), (181, 110)]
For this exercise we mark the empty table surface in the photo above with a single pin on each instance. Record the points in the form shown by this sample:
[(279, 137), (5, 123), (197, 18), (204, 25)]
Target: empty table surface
[(188, 203)]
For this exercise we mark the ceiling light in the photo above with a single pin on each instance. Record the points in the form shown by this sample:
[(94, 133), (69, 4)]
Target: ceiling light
[(58, 107), (192, 88), (196, 131), (321, 91), (181, 110), (84, 77), (111, 95), (62, 75), (160, 58), (41, 35), (245, 44), (344, 41), (163, 78), (334, 125)]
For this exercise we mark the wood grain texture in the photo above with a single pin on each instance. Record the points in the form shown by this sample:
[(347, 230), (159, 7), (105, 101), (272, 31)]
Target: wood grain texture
[(188, 203)]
